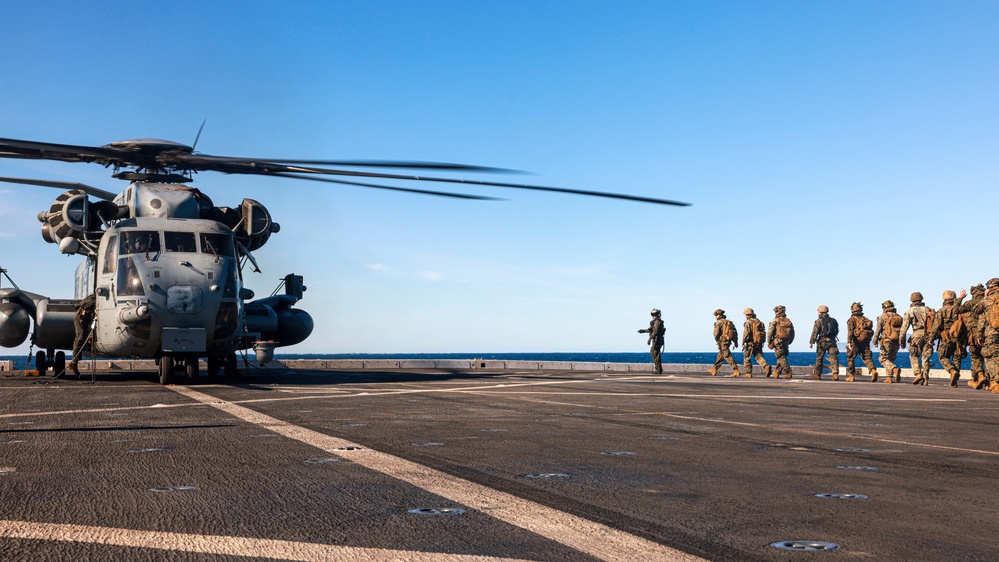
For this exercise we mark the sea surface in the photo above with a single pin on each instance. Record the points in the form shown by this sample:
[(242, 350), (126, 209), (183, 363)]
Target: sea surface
[(798, 358)]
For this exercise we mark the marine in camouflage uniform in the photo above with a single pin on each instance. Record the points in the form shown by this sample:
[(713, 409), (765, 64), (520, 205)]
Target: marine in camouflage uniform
[(824, 333), (889, 346), (657, 338), (779, 344), (948, 350), (989, 335), (859, 345), (752, 349), (920, 348), (725, 342), (973, 312), (83, 322)]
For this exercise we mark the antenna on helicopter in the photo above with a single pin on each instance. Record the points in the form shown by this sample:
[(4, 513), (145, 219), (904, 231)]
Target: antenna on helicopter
[(198, 136)]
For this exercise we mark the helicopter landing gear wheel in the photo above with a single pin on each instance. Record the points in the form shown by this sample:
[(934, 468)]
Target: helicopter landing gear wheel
[(192, 369), (232, 366), (59, 365), (41, 364), (214, 366), (166, 369)]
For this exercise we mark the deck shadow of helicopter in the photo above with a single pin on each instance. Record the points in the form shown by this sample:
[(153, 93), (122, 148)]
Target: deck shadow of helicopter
[(255, 377), (307, 377)]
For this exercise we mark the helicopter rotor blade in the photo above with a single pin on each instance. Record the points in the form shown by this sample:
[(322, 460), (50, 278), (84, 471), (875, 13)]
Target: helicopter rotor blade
[(93, 191), (604, 194), (388, 187), (207, 160), (53, 151), (166, 158)]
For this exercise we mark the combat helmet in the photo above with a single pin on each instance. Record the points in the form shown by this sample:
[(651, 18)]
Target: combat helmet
[(978, 289), (856, 307), (748, 312), (916, 297), (993, 283), (719, 312), (887, 304), (780, 308), (656, 312), (949, 295)]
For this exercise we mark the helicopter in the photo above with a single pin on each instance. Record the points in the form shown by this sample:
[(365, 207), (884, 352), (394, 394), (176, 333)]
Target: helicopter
[(164, 265)]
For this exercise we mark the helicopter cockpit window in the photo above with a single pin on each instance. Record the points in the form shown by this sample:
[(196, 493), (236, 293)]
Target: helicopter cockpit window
[(139, 242), (179, 242), (129, 282), (217, 244), (110, 255)]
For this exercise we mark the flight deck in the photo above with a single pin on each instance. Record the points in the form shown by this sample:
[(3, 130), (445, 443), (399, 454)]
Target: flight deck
[(487, 463)]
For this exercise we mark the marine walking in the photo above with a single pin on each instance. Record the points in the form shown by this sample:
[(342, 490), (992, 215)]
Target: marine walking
[(780, 335), (754, 336), (920, 348), (860, 332), (726, 337), (886, 336), (824, 333)]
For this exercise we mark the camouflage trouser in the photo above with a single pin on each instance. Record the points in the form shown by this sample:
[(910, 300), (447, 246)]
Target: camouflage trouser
[(920, 353), (977, 361), (990, 350), (823, 346), (862, 349), (889, 351), (725, 354), (753, 351), (780, 350), (82, 324), (657, 358), (950, 355)]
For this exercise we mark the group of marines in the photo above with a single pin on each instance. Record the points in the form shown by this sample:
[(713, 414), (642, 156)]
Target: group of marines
[(961, 328)]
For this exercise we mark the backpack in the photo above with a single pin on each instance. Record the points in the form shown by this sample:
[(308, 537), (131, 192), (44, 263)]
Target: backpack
[(863, 329), (783, 331), (728, 330), (893, 327), (828, 327), (956, 329), (931, 317), (758, 332), (994, 314)]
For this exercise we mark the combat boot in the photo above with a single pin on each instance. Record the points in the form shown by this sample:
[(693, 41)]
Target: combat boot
[(712, 371), (954, 375), (874, 375), (994, 388), (74, 366), (849, 377), (977, 383), (835, 376), (749, 374), (768, 370), (918, 379), (898, 374), (816, 376), (887, 379), (735, 372), (788, 375)]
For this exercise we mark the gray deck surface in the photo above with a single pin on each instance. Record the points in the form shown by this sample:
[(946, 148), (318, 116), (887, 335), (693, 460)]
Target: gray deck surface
[(546, 464)]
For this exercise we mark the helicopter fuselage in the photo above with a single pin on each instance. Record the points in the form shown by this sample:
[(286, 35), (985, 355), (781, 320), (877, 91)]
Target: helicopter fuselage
[(167, 285)]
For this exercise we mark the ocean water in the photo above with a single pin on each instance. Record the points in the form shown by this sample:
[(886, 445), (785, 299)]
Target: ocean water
[(798, 359)]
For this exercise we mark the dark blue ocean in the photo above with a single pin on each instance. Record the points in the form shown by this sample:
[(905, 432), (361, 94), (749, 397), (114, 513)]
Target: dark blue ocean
[(701, 358)]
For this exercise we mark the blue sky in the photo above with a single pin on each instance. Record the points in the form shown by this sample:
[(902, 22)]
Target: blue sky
[(833, 152)]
